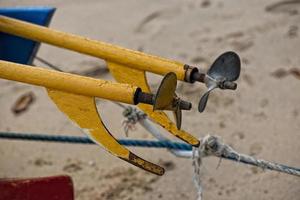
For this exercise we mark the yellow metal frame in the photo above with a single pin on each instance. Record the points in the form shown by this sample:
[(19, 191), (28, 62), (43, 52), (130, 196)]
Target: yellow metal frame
[(127, 66), (108, 52), (67, 82), (75, 96)]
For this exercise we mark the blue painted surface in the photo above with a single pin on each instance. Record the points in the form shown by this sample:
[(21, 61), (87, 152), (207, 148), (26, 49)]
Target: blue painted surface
[(20, 50)]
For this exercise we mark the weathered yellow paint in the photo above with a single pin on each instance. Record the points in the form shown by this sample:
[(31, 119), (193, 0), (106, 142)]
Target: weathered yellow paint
[(129, 75), (137, 63), (68, 82), (83, 111), (108, 52)]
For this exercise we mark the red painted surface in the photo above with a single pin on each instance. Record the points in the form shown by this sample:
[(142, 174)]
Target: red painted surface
[(48, 188)]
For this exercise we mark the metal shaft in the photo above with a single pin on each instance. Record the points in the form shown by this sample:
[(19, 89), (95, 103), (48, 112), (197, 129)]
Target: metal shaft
[(197, 76), (142, 97), (68, 82), (108, 52)]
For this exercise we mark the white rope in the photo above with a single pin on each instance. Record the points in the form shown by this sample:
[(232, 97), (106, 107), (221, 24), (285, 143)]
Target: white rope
[(209, 145), (198, 154)]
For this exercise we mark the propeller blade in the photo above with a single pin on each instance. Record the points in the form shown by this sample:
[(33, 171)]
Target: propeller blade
[(204, 98), (178, 117), (166, 92), (203, 101), (227, 66)]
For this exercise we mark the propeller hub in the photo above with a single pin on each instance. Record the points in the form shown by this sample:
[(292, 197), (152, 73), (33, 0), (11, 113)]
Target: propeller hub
[(228, 85), (183, 105), (222, 74)]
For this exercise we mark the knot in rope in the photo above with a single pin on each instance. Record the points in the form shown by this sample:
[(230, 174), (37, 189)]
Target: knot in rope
[(214, 146), (209, 145), (132, 116)]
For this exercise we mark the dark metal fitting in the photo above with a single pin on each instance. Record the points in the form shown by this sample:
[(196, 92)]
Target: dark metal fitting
[(198, 76), (142, 97), (185, 105), (228, 85), (189, 71)]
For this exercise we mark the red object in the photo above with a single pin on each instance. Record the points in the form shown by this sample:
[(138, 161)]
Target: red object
[(47, 188)]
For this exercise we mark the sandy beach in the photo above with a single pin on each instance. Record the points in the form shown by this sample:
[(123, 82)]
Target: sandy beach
[(261, 118)]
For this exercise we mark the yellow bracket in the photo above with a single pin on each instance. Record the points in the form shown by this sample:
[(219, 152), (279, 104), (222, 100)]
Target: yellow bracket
[(125, 74), (127, 66), (83, 111), (75, 96)]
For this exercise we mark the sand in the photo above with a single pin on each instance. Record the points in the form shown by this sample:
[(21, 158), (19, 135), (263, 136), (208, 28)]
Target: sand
[(260, 118)]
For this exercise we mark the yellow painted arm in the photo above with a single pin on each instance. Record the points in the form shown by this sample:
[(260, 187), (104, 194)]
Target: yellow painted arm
[(83, 111), (108, 52), (75, 96), (68, 82), (130, 65)]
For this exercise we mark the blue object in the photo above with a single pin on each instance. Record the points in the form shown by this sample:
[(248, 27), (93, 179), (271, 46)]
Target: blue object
[(152, 143), (85, 140), (17, 49)]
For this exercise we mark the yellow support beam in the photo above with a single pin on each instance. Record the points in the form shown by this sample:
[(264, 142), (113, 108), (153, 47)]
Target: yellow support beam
[(127, 66), (68, 82), (75, 96), (108, 52)]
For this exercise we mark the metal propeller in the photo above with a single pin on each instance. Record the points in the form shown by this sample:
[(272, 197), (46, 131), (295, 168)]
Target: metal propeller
[(221, 74), (166, 98)]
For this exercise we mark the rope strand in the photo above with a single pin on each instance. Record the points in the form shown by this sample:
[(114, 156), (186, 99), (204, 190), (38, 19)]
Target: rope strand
[(86, 140), (212, 146)]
